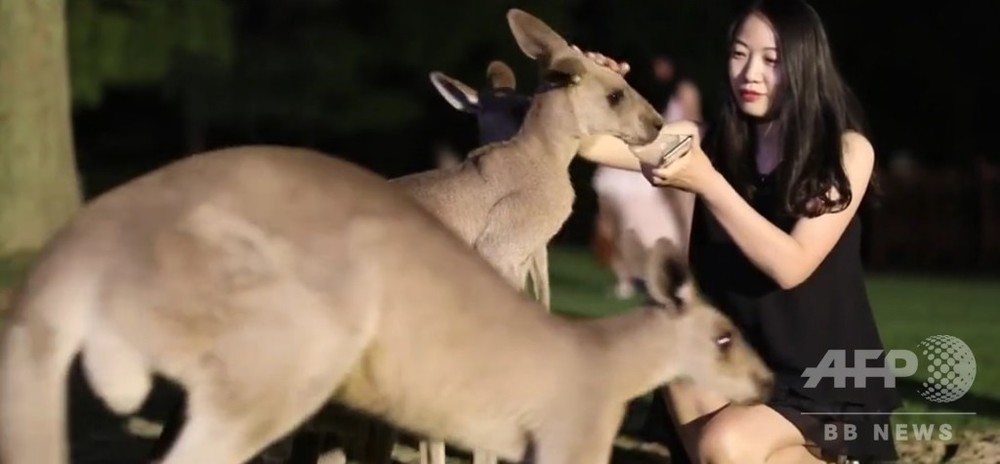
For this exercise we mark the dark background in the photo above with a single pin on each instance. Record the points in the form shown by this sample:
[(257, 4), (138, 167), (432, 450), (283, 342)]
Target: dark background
[(350, 78)]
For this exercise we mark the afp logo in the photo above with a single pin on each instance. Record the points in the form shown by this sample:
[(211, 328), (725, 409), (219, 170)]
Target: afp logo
[(948, 362)]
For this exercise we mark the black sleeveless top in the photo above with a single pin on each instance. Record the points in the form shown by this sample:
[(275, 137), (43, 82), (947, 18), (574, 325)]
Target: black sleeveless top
[(792, 329)]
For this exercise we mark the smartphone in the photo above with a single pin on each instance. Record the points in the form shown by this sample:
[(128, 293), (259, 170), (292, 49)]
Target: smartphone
[(680, 148)]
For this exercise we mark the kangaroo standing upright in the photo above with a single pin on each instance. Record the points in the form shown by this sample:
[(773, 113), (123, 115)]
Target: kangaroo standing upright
[(512, 195), (499, 111), (509, 198)]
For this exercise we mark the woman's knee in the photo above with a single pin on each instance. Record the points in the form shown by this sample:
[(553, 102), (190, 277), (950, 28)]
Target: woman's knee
[(745, 435), (725, 441)]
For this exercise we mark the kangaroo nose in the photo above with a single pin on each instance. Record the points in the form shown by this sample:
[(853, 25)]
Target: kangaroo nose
[(655, 123)]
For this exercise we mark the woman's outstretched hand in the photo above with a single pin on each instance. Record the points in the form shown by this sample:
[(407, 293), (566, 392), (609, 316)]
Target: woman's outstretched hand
[(618, 67), (692, 172)]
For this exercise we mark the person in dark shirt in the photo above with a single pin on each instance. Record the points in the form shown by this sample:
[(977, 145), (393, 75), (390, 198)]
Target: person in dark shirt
[(779, 175)]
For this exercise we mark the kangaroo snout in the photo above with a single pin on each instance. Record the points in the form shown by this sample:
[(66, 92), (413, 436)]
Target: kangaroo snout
[(653, 124), (645, 126), (765, 386)]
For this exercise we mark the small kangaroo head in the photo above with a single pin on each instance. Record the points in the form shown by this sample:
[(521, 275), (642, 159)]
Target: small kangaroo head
[(600, 100), (712, 350), (499, 109)]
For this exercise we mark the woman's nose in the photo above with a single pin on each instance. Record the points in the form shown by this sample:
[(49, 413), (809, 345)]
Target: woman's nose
[(754, 71)]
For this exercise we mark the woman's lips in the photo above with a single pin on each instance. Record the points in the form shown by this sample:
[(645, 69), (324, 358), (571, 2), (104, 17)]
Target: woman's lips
[(750, 96)]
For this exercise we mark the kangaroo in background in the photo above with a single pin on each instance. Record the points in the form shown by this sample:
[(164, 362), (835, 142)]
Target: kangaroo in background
[(507, 199), (267, 281), (499, 110), (498, 107)]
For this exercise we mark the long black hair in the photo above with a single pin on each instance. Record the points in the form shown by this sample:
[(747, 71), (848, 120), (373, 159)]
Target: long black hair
[(813, 108)]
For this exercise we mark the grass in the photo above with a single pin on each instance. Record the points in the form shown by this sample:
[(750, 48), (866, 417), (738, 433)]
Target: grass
[(12, 268), (908, 309)]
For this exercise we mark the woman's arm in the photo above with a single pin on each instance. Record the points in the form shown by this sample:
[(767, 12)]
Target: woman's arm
[(612, 151), (790, 258)]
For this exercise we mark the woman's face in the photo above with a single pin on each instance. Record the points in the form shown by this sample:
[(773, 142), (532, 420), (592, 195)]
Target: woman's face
[(753, 66)]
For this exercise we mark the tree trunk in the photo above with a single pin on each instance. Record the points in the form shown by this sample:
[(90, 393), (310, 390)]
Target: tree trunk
[(39, 187)]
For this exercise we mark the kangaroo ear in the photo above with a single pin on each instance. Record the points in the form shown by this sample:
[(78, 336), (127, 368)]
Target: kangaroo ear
[(565, 69), (500, 76), (668, 278), (457, 94), (535, 38)]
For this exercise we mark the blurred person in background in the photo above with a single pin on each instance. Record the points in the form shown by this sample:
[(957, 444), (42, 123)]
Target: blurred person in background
[(625, 200)]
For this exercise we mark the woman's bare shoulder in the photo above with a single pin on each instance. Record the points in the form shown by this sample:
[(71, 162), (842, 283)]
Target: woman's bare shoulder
[(858, 150)]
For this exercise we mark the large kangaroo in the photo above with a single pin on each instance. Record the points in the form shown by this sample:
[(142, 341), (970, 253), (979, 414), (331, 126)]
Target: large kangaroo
[(267, 281), (509, 198)]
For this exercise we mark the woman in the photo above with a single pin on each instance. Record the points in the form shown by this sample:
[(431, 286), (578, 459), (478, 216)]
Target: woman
[(775, 243)]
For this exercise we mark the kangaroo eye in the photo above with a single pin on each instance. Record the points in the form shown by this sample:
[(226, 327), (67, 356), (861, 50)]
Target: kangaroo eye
[(616, 97), (724, 341)]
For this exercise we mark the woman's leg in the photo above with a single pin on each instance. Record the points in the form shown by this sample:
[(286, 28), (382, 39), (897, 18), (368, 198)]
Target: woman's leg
[(794, 455), (689, 408), (717, 433), (753, 435)]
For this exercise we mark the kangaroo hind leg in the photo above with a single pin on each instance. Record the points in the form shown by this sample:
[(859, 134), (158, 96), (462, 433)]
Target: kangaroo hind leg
[(272, 371), (584, 436), (242, 402)]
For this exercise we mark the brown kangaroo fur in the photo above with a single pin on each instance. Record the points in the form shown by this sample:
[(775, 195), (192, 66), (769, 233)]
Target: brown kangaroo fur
[(267, 281), (508, 199), (461, 96)]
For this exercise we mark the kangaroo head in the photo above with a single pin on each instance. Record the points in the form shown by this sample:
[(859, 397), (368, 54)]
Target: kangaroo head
[(600, 100), (498, 107), (712, 350)]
